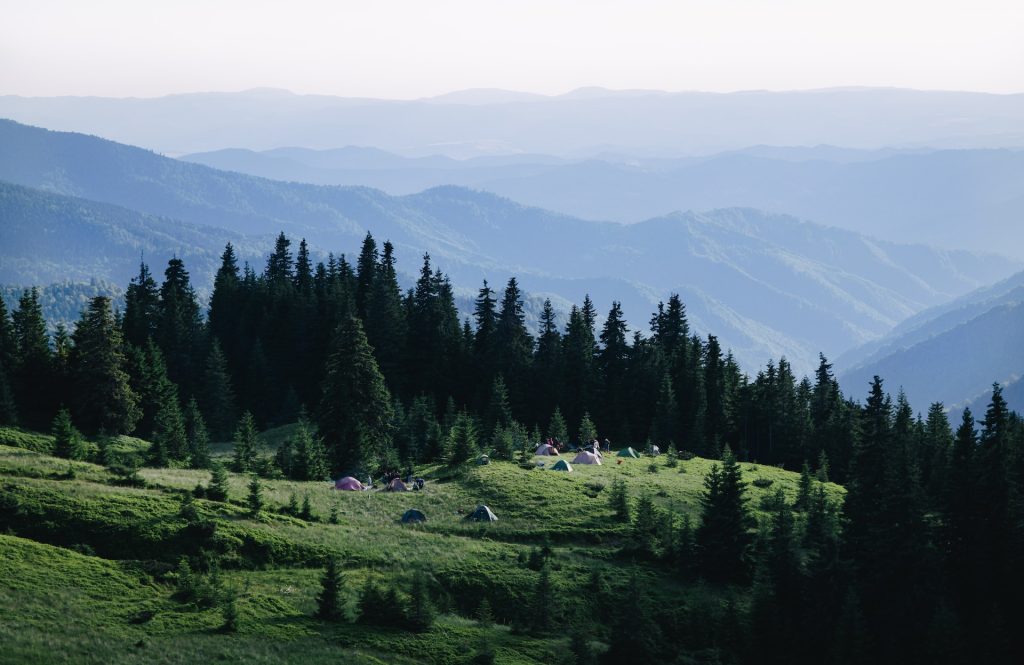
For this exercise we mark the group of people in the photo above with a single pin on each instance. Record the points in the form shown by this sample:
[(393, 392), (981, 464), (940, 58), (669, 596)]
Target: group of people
[(411, 479)]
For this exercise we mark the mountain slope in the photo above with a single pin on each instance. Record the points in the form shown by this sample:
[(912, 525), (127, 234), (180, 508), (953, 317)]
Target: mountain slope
[(894, 195), (954, 366), (768, 284)]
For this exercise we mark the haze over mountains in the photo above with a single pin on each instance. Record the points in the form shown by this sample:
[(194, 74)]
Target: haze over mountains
[(581, 123), (900, 195), (767, 284)]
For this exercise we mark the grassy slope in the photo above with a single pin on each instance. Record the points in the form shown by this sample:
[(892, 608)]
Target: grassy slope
[(82, 605)]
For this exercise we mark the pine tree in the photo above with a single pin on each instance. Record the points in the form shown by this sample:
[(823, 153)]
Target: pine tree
[(280, 263), (645, 527), (255, 498), (498, 414), (196, 436), (216, 396), (245, 444), (724, 534), (328, 601), (385, 321), (666, 415), (355, 410), (307, 509), (587, 431), (170, 443), (8, 407), (543, 603), (421, 609), (33, 363), (462, 440), (217, 490), (141, 308), (557, 429), (67, 441), (618, 500), (103, 397), (179, 325), (612, 361), (803, 492), (366, 274), (226, 307)]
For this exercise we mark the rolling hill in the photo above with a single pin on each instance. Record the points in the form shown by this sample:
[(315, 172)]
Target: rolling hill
[(770, 285)]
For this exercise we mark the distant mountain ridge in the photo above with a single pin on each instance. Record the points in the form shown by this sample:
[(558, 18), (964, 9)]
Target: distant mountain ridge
[(899, 195), (769, 285), (580, 123), (951, 353)]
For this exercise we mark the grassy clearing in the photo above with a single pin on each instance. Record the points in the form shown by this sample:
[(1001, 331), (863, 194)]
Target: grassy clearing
[(65, 580)]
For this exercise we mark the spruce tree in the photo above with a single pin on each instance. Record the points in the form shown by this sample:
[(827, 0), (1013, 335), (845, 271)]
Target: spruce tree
[(355, 410), (385, 321), (33, 363), (196, 436), (141, 308), (724, 534), (216, 396), (803, 492), (245, 444), (587, 431), (67, 441), (498, 414), (618, 500), (103, 396), (421, 608), (328, 601), (217, 490), (543, 603), (179, 325), (170, 442), (557, 428), (255, 498), (462, 440)]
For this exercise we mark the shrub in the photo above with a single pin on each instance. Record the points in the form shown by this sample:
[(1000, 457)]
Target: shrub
[(653, 468), (762, 482), (686, 454)]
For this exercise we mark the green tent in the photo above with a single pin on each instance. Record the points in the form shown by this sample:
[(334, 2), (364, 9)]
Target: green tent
[(412, 516), (628, 452), (561, 465)]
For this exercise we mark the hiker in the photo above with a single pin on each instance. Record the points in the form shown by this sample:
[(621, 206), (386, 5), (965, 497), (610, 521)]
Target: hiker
[(418, 483), (607, 445)]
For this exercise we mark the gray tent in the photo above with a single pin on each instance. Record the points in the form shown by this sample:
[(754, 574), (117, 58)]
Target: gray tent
[(482, 514), (483, 459), (413, 516)]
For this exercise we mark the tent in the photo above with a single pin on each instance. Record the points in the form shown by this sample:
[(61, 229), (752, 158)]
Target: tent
[(396, 485), (348, 483), (413, 516), (482, 514), (561, 465), (587, 458), (628, 452), (546, 449), (483, 459)]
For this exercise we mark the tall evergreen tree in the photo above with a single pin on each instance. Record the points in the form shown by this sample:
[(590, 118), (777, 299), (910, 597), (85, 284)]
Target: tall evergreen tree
[(67, 441), (196, 436), (724, 534), (141, 308), (216, 396), (385, 320), (366, 274), (33, 364), (245, 444), (328, 601), (355, 411), (104, 399), (179, 326), (280, 264), (8, 407)]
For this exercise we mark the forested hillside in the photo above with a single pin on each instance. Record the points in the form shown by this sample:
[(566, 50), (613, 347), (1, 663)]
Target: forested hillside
[(768, 285), (678, 557)]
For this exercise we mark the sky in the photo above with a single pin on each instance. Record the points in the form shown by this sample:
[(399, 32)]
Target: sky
[(405, 49)]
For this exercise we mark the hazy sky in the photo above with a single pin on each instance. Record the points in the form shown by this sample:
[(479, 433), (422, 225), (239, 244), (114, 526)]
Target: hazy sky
[(414, 48)]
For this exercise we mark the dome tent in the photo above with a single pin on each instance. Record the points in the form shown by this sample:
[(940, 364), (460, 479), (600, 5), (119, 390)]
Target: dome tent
[(483, 459), (561, 465), (628, 452), (413, 516), (396, 485), (546, 449), (482, 514), (587, 458), (348, 484)]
